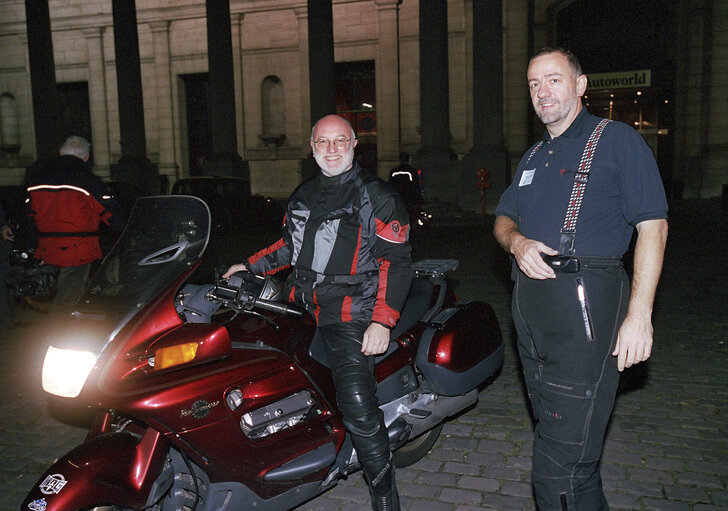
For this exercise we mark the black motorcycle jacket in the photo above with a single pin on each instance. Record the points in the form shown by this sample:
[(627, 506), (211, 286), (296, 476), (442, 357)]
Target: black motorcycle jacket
[(347, 237)]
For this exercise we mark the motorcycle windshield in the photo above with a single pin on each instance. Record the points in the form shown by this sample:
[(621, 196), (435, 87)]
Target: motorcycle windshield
[(164, 236)]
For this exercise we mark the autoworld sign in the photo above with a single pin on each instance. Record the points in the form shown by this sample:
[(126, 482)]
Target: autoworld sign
[(620, 80)]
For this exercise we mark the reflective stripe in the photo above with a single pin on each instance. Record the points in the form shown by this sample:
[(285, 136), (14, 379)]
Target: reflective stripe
[(68, 234), (59, 187)]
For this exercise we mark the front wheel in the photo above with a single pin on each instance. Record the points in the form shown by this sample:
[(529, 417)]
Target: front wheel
[(414, 450)]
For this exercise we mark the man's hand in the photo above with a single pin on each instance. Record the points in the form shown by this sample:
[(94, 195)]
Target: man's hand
[(7, 233), (376, 339), (234, 269), (634, 341), (526, 251)]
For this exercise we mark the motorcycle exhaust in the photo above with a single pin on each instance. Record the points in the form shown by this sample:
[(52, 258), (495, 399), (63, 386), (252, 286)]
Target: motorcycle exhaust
[(399, 432)]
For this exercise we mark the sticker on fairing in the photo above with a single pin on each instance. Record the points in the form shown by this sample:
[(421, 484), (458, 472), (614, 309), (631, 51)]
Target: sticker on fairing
[(54, 483), (38, 505)]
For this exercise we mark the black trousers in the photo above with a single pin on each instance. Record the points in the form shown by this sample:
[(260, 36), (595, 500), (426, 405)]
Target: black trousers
[(571, 378), (353, 375)]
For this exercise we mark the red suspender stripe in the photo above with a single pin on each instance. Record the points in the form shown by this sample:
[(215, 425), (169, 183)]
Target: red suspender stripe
[(383, 313), (394, 232)]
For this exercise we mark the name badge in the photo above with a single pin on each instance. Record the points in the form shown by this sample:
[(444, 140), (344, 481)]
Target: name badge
[(527, 177)]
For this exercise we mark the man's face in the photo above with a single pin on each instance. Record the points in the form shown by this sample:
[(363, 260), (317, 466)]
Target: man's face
[(333, 160), (555, 91)]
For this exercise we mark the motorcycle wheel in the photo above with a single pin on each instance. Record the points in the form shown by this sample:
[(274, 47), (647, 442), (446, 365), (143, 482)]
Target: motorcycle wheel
[(414, 450)]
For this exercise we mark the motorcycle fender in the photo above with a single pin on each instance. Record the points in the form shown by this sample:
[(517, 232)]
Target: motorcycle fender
[(461, 348), (113, 469)]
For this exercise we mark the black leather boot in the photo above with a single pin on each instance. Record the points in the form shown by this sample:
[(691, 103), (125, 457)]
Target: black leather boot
[(383, 489)]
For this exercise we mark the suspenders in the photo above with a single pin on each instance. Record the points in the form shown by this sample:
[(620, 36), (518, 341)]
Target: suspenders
[(581, 178)]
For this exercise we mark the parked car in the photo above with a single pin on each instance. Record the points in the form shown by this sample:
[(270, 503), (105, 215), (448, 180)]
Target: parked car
[(233, 208)]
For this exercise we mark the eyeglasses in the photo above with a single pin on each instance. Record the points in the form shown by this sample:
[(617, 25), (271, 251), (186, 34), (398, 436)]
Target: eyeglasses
[(323, 143)]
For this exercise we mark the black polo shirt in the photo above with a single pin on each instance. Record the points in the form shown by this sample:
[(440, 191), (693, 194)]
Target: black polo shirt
[(624, 188)]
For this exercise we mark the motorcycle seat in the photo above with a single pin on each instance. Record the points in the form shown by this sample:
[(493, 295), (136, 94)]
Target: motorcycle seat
[(415, 307)]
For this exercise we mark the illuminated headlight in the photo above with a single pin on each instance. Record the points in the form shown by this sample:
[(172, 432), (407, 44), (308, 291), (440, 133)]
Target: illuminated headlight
[(65, 371)]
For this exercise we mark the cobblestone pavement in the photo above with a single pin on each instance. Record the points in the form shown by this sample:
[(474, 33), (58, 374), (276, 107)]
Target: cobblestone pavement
[(666, 448)]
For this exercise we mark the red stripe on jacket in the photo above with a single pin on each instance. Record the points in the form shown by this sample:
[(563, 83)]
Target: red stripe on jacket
[(269, 250), (383, 313)]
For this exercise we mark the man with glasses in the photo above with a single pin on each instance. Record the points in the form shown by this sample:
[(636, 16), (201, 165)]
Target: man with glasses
[(346, 234)]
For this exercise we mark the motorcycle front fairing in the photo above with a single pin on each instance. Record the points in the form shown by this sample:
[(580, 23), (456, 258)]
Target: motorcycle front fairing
[(116, 468), (161, 245), (163, 241)]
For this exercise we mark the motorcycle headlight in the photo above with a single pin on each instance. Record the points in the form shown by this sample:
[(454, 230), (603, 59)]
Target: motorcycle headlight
[(65, 371)]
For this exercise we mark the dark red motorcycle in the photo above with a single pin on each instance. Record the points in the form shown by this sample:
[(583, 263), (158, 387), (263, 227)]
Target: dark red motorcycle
[(218, 397)]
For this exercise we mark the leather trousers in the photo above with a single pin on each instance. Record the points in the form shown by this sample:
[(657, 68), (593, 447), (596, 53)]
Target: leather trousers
[(353, 375)]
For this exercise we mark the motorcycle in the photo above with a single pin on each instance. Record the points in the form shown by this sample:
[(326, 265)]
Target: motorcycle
[(216, 396)]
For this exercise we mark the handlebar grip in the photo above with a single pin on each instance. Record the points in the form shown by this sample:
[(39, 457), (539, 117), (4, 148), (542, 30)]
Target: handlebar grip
[(278, 307)]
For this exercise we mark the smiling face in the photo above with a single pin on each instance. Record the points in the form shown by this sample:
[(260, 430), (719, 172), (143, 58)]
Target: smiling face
[(331, 159), (556, 90)]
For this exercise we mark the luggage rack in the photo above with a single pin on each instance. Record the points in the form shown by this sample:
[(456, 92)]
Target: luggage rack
[(434, 267), (434, 270)]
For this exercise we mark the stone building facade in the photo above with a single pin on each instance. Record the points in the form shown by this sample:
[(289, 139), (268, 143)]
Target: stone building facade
[(272, 97)]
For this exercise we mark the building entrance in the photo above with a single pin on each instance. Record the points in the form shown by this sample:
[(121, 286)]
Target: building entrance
[(629, 97)]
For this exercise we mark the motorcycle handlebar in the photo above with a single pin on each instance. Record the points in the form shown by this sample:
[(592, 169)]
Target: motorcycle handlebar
[(231, 294), (278, 307)]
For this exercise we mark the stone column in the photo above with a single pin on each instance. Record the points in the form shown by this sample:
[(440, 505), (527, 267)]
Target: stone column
[(321, 58), (97, 99), (163, 95), (701, 147), (236, 30), (133, 166), (304, 90), (715, 153), (387, 83), (433, 156), (224, 159), (488, 149), (320, 68), (48, 138)]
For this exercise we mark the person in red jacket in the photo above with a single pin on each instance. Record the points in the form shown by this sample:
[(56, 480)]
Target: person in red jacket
[(66, 205)]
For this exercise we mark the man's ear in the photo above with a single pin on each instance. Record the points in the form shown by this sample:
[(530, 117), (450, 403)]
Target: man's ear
[(85, 160), (581, 82)]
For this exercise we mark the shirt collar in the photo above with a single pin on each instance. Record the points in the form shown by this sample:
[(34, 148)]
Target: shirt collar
[(340, 178), (575, 129)]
